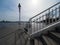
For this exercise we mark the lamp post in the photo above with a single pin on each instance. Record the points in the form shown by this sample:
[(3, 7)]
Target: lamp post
[(22, 32), (19, 6)]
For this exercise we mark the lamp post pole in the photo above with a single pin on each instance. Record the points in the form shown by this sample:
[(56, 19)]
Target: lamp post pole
[(19, 6), (23, 32)]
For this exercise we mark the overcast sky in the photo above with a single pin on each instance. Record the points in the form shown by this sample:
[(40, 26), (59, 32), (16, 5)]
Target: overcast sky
[(29, 8)]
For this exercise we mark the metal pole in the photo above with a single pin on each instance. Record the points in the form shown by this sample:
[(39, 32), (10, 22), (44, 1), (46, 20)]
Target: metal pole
[(19, 6)]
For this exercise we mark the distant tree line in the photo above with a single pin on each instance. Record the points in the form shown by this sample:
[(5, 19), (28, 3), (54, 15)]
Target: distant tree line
[(3, 21)]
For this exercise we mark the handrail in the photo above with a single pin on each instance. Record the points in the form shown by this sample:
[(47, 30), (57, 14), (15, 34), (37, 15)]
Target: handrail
[(45, 18)]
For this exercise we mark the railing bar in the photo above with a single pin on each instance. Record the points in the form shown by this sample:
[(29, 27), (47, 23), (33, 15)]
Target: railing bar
[(43, 20), (59, 12), (55, 14), (31, 26), (49, 17), (34, 25), (39, 22), (52, 15), (46, 19)]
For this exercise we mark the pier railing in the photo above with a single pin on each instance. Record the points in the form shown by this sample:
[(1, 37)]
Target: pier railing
[(45, 18)]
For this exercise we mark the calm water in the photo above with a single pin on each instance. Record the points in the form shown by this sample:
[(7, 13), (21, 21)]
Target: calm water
[(6, 28)]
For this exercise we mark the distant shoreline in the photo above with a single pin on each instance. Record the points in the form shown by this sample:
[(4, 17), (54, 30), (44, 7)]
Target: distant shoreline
[(13, 21)]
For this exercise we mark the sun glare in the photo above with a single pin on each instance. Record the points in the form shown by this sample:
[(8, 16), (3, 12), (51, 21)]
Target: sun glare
[(34, 2)]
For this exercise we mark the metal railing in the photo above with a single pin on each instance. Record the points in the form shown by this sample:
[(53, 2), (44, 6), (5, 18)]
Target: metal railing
[(45, 18)]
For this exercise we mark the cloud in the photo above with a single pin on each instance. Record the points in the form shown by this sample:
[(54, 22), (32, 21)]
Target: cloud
[(9, 9)]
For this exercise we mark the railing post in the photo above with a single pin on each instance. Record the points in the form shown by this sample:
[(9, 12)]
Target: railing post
[(34, 25), (59, 12), (39, 23), (31, 26), (46, 19), (52, 15), (55, 14), (43, 21), (49, 17)]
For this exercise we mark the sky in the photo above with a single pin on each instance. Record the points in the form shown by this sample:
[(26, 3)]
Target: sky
[(29, 8)]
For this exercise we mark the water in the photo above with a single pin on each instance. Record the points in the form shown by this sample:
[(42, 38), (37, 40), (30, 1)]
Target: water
[(6, 28)]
